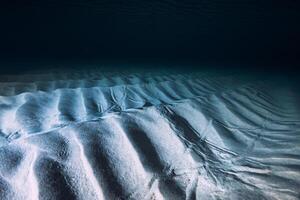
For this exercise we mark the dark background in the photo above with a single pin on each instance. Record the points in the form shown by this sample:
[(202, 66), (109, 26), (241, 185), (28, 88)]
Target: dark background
[(220, 32)]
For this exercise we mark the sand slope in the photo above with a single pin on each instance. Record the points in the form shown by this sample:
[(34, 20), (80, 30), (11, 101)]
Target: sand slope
[(95, 135)]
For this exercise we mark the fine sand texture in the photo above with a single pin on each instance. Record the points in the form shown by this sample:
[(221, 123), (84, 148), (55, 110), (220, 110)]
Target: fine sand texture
[(94, 134)]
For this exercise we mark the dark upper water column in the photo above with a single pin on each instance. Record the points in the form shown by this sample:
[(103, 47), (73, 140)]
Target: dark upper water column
[(249, 32)]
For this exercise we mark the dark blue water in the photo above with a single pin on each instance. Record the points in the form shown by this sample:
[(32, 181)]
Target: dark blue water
[(215, 32)]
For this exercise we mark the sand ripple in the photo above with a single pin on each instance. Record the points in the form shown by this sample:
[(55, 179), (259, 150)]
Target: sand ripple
[(168, 136)]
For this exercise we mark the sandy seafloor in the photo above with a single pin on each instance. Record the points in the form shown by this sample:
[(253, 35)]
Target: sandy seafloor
[(94, 134)]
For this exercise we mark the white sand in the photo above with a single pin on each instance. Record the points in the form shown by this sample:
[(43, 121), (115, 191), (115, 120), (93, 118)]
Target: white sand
[(95, 135)]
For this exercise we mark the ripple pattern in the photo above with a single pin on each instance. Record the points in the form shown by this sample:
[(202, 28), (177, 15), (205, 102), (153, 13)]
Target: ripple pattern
[(145, 136)]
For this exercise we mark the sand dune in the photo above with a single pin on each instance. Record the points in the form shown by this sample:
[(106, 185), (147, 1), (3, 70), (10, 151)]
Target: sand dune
[(85, 135)]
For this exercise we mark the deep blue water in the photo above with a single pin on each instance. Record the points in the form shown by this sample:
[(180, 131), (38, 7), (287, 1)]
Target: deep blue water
[(201, 32)]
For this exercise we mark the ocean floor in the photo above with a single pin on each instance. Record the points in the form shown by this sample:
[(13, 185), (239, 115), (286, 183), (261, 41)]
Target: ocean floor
[(95, 134)]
